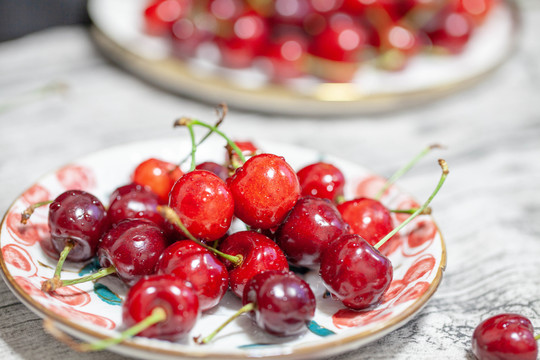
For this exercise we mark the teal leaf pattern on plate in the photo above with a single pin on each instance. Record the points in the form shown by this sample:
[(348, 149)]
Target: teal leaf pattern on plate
[(106, 294), (90, 268), (319, 330)]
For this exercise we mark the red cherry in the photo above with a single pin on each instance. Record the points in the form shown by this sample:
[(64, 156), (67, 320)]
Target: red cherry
[(258, 253), (160, 15), (134, 201), (193, 263), (283, 303), (133, 248), (311, 225), (158, 175), (505, 336), (78, 217), (355, 272), (290, 11), (450, 30), (215, 168), (322, 180), (367, 217), (186, 36), (284, 56), (264, 189), (203, 203), (477, 9), (173, 295)]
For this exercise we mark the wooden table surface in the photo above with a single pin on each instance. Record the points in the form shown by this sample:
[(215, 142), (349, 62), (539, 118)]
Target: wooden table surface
[(488, 211)]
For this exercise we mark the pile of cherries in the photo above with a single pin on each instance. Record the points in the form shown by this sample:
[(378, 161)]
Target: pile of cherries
[(167, 235), (328, 39)]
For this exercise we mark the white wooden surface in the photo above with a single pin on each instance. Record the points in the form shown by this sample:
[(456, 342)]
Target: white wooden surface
[(489, 209)]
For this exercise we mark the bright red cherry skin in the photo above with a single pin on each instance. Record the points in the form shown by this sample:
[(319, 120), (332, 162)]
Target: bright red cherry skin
[(133, 247), (368, 218), (264, 189), (160, 15), (203, 203), (193, 263), (505, 336), (284, 303), (258, 252), (285, 55), (158, 175), (322, 180), (355, 272), (80, 217), (168, 292), (311, 225)]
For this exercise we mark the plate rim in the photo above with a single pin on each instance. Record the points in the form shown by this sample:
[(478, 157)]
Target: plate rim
[(353, 341)]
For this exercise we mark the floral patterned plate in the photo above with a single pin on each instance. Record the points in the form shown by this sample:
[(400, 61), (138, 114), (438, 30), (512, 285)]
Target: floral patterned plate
[(93, 310)]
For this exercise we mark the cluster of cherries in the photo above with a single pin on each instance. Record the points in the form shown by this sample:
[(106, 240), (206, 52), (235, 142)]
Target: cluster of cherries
[(329, 39), (167, 236)]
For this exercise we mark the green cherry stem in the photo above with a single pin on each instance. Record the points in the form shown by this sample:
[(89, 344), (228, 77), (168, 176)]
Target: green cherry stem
[(193, 148), (184, 121), (404, 170), (54, 283), (27, 213), (537, 337), (157, 315), (244, 309), (48, 284), (427, 211), (171, 215), (420, 210)]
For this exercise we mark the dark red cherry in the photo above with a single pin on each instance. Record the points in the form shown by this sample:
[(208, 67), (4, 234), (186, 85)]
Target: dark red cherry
[(158, 175), (160, 15), (193, 263), (322, 180), (283, 303), (203, 203), (355, 272), (290, 11), (284, 55), (79, 217), (367, 217), (175, 296), (311, 225), (505, 336), (134, 201), (133, 247), (264, 189), (215, 168), (186, 37), (450, 30), (258, 253)]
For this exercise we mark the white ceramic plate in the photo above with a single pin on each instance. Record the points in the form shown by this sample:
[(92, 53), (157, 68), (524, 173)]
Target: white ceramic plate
[(118, 32), (93, 310)]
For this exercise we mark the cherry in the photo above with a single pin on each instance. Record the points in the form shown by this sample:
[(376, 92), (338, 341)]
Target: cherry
[(290, 11), (322, 180), (158, 175), (279, 302), (284, 55), (246, 148), (132, 248), (450, 30), (257, 253), (193, 263), (204, 204), (80, 219), (215, 168), (160, 15), (134, 201), (505, 336), (311, 225), (264, 189), (355, 272), (186, 37)]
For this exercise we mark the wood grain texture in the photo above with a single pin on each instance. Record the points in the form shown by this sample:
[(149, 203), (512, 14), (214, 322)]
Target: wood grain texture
[(488, 211)]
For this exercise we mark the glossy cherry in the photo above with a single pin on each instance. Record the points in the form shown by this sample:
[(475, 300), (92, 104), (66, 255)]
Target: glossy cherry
[(204, 204), (285, 55), (257, 253), (195, 264), (322, 180), (308, 229), (80, 218), (132, 248), (158, 175), (264, 189), (283, 303), (220, 170), (505, 336), (134, 201), (175, 296), (450, 31), (160, 15)]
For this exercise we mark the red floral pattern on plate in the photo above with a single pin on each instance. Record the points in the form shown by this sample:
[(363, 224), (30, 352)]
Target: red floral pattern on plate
[(76, 177), (25, 234), (36, 193), (19, 258)]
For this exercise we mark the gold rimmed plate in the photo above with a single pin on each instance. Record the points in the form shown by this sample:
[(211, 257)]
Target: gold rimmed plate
[(93, 310)]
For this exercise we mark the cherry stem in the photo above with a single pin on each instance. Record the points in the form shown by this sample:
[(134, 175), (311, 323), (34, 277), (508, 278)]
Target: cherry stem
[(404, 170), (221, 111), (53, 284), (193, 147), (184, 121), (157, 315), (26, 214), (427, 211), (537, 337), (420, 210), (244, 309), (63, 256), (171, 215)]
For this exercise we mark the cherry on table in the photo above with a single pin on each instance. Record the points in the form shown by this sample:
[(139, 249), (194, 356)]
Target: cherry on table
[(505, 336)]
